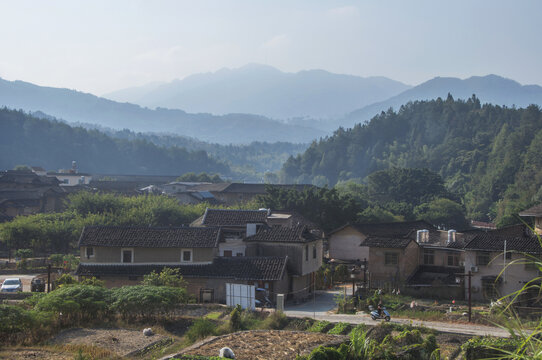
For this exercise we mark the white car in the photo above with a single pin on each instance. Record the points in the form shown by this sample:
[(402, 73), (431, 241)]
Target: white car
[(12, 285)]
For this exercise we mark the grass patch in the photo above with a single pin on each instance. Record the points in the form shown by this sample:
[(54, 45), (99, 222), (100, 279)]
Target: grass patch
[(320, 326), (215, 315), (339, 329)]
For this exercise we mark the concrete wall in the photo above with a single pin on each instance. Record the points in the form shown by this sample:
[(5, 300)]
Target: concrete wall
[(513, 279), (344, 245), (147, 255), (384, 276), (441, 256), (297, 263)]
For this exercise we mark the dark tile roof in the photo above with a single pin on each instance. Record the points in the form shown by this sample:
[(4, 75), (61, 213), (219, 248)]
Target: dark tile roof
[(221, 217), (390, 229), (26, 177), (239, 268), (428, 275), (386, 242), (534, 211), (518, 238), (296, 234), (171, 237), (248, 188), (297, 218)]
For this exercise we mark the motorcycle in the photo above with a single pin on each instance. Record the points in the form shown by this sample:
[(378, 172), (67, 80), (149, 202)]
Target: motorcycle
[(384, 314)]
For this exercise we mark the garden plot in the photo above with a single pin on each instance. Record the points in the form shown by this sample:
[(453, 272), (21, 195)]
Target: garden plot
[(122, 342), (265, 344)]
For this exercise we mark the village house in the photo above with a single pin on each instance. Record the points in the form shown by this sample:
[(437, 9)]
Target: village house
[(228, 246), (25, 193), (497, 262), (123, 255)]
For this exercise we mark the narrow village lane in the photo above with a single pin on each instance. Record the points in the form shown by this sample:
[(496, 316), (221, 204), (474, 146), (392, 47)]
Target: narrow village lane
[(319, 307)]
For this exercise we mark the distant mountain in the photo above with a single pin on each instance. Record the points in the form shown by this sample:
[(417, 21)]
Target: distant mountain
[(489, 89), (25, 139), (264, 90), (73, 106)]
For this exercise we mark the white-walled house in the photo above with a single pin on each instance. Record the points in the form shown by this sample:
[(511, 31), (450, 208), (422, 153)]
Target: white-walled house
[(498, 261)]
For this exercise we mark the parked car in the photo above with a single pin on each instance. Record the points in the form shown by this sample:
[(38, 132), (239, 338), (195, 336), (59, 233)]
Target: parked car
[(11, 285), (37, 285)]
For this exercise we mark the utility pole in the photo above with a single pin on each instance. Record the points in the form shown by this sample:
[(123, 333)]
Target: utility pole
[(470, 295), (365, 292), (49, 278)]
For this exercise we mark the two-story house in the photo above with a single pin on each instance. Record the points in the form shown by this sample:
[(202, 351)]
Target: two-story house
[(499, 261), (123, 255), (303, 248), (228, 246)]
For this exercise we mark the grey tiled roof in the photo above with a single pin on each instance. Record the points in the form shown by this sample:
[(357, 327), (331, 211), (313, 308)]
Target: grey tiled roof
[(386, 242), (432, 275), (239, 268), (296, 234), (534, 211), (389, 229), (167, 237), (221, 217), (518, 238)]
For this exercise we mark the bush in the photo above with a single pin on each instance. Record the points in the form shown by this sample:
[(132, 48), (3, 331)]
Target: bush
[(275, 321), (167, 277), (235, 319), (339, 329), (319, 326), (22, 326), (488, 348), (145, 301), (76, 302), (200, 330)]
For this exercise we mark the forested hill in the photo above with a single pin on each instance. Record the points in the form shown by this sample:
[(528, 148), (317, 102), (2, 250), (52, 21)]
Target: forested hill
[(51, 144), (490, 156)]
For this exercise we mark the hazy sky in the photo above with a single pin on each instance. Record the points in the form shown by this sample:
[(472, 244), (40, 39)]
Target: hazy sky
[(100, 46)]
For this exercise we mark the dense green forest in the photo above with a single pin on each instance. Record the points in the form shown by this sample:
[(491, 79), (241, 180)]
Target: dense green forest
[(51, 144), (249, 161), (489, 156)]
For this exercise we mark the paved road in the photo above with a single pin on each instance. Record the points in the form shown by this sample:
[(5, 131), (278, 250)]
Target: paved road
[(323, 302)]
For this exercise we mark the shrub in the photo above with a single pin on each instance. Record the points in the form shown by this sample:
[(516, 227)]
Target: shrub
[(167, 277), (76, 302), (319, 326), (145, 301), (64, 279), (235, 319), (488, 348), (339, 329), (275, 321), (22, 326), (200, 329)]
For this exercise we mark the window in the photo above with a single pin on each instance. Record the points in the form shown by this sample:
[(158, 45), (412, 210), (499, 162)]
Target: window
[(391, 258), (453, 260), (306, 252), (89, 252), (186, 256), (127, 256), (482, 258), (489, 290), (227, 253), (314, 251), (239, 254), (429, 257)]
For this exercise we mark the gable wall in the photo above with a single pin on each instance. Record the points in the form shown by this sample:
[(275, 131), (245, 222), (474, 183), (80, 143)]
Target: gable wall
[(344, 245)]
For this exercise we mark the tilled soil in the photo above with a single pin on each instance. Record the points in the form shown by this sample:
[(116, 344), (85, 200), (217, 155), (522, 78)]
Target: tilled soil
[(265, 344), (120, 341), (27, 354)]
